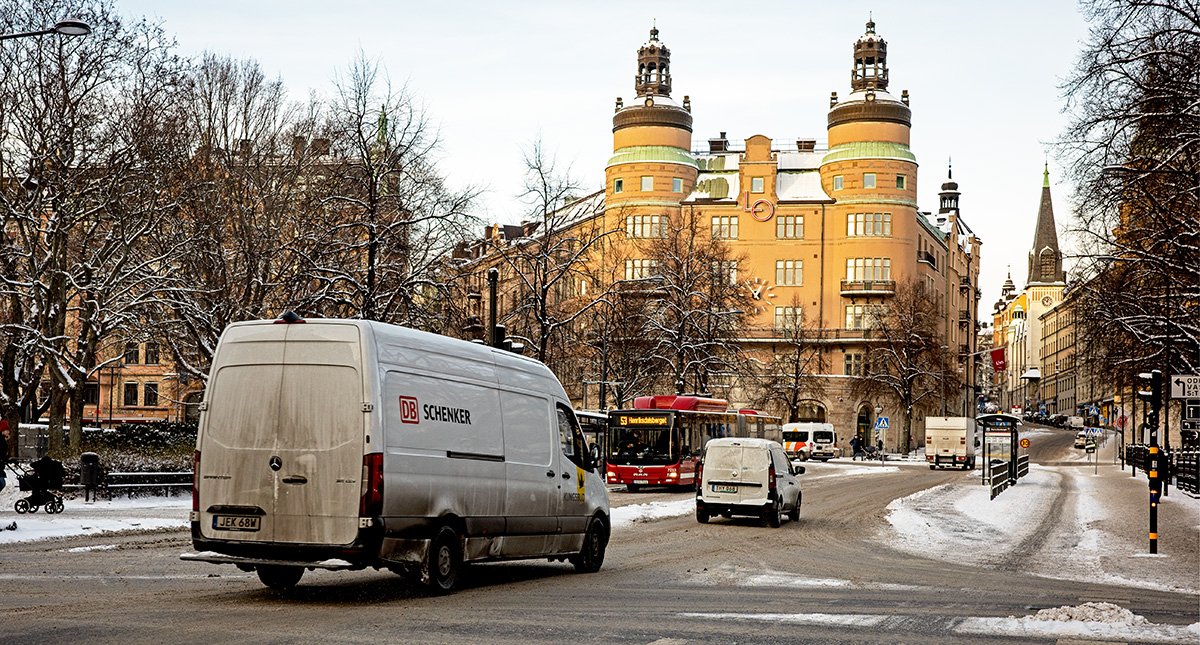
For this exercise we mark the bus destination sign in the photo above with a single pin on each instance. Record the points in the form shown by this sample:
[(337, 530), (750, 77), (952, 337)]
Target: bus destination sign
[(641, 420)]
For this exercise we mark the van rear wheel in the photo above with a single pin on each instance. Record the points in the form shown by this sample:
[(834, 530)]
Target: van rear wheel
[(279, 577), (774, 515), (444, 560), (591, 556)]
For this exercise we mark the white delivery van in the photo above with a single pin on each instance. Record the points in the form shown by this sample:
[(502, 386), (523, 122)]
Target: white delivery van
[(345, 444), (747, 477), (950, 441)]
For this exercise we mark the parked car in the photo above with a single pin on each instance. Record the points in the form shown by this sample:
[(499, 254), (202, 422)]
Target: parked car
[(751, 477)]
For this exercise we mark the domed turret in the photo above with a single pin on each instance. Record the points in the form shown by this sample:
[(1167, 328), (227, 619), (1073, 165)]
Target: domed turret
[(652, 136), (869, 100), (948, 198)]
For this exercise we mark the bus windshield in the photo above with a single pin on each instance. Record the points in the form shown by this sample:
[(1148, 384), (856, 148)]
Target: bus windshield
[(642, 447)]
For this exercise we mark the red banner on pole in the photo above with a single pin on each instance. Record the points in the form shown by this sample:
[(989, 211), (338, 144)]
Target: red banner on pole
[(998, 363)]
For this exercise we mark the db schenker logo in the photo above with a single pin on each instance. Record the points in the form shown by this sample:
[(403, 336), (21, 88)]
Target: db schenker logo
[(408, 410)]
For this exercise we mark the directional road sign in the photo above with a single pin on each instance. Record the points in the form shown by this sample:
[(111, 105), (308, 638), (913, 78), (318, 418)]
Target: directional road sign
[(1185, 386)]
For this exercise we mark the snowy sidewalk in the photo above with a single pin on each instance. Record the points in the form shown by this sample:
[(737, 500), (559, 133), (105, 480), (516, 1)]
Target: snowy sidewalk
[(1058, 522)]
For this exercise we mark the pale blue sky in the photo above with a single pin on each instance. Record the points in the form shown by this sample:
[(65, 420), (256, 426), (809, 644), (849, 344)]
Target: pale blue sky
[(983, 78)]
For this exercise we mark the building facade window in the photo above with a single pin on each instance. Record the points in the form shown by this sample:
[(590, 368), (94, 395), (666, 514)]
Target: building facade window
[(725, 227), (868, 180), (789, 227), (855, 315), (726, 270), (151, 353), (150, 394), (646, 226), (130, 398), (756, 184), (677, 185), (838, 182), (853, 364), (131, 353), (787, 317), (901, 182), (91, 393), (618, 185), (863, 269), (647, 184), (789, 273), (873, 224), (639, 269)]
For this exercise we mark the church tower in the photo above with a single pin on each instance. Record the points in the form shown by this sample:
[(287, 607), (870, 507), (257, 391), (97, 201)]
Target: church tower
[(1045, 258), (652, 165)]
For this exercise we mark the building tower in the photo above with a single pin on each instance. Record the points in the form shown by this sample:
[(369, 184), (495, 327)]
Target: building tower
[(652, 167), (948, 198), (1045, 258)]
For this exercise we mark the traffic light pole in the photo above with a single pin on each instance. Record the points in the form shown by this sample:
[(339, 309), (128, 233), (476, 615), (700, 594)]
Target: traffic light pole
[(1154, 396)]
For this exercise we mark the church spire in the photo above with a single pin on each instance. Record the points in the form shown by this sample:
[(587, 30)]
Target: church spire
[(1045, 258)]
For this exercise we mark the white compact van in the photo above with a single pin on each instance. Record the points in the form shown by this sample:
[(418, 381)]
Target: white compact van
[(747, 477), (345, 444)]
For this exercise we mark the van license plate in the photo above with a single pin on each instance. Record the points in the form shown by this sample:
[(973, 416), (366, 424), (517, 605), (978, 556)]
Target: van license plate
[(641, 481), (723, 489), (235, 523)]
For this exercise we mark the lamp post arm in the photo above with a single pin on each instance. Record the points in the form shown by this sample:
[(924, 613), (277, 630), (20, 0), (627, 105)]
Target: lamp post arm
[(26, 34)]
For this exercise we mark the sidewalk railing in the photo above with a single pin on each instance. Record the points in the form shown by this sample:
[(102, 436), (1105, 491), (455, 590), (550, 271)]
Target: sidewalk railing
[(1022, 466), (998, 476), (1187, 471)]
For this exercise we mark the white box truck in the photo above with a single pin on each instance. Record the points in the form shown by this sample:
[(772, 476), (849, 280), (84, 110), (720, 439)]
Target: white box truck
[(950, 442), (345, 444)]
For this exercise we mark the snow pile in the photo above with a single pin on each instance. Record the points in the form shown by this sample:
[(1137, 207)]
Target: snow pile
[(853, 471), (635, 513), (1092, 612), (1093, 620), (729, 575)]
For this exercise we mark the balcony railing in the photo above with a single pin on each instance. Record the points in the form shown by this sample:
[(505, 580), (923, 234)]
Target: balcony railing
[(868, 287)]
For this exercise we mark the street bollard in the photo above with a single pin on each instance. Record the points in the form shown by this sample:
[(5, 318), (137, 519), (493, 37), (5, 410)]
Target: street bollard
[(89, 475)]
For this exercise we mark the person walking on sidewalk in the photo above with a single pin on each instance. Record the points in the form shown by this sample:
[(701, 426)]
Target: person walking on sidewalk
[(855, 448)]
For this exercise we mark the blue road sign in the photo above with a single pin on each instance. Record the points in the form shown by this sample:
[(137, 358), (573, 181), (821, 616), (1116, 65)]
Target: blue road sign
[(881, 423)]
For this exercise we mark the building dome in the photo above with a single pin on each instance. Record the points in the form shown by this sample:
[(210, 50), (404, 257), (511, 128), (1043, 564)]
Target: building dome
[(869, 99)]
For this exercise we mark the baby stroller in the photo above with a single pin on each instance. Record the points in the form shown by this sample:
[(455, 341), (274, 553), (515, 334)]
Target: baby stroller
[(40, 480)]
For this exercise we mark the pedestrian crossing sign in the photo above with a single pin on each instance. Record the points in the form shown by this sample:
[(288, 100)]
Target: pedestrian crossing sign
[(881, 423)]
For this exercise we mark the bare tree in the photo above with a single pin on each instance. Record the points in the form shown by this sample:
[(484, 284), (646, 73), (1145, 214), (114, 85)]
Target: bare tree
[(1133, 148), (790, 378), (905, 359), (244, 201), (697, 306), (387, 215), (548, 262), (88, 123)]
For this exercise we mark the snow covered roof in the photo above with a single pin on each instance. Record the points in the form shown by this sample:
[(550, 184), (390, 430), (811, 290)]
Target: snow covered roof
[(715, 185), (800, 160), (800, 187)]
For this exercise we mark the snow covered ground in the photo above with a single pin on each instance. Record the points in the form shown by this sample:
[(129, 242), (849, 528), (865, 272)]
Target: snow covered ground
[(82, 518), (1058, 522)]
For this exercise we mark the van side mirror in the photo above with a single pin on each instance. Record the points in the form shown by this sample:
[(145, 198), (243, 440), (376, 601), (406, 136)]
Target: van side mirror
[(797, 468)]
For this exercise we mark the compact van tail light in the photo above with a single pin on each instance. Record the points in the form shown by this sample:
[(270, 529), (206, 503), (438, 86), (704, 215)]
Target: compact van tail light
[(771, 476), (371, 503), (699, 475)]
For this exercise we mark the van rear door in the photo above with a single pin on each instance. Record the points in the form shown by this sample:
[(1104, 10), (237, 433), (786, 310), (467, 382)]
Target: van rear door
[(283, 435), (735, 474)]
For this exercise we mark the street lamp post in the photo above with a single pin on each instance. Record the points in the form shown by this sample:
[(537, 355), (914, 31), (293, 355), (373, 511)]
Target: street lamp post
[(942, 381), (66, 27)]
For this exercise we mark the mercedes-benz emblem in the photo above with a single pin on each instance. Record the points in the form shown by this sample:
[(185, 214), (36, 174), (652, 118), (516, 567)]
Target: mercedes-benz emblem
[(276, 463)]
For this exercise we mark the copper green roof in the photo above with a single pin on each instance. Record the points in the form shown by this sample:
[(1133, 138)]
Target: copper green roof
[(652, 154), (869, 150)]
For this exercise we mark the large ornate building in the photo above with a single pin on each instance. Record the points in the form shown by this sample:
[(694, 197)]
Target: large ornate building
[(831, 232)]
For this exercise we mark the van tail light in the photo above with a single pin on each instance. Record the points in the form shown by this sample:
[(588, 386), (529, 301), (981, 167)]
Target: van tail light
[(962, 441), (699, 475), (771, 477), (371, 503), (196, 481)]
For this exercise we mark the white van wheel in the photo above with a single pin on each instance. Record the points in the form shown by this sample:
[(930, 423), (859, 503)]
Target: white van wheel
[(279, 577), (773, 515), (445, 560), (591, 556)]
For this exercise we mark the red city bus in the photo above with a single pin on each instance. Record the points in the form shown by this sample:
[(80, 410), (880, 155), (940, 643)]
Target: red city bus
[(660, 440)]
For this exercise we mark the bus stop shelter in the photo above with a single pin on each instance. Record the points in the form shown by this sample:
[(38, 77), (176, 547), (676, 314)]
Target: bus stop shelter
[(1000, 440)]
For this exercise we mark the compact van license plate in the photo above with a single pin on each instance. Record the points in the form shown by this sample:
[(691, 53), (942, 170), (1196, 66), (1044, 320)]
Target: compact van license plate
[(718, 488), (235, 523)]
